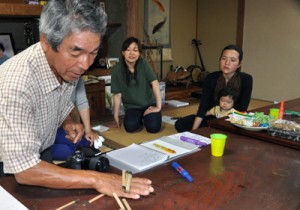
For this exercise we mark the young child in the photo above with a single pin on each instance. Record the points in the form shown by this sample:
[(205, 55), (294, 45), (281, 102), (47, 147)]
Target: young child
[(226, 99)]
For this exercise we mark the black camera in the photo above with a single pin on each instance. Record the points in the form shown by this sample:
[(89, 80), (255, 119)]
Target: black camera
[(85, 158)]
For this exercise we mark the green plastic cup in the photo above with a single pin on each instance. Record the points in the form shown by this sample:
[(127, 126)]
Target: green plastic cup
[(274, 113), (218, 142)]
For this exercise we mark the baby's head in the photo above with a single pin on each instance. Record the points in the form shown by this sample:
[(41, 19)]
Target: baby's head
[(227, 97)]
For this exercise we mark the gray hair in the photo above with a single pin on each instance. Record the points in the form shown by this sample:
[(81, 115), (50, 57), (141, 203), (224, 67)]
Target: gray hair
[(61, 18)]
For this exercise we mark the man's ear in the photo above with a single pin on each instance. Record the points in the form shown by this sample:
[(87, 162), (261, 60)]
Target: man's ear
[(44, 43)]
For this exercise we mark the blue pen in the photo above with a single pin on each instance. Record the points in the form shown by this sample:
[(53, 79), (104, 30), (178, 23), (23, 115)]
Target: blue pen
[(183, 172), (193, 141)]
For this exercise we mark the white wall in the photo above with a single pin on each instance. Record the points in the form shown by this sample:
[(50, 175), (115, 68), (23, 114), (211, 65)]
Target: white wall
[(217, 23), (271, 41), (217, 28), (183, 30), (272, 48)]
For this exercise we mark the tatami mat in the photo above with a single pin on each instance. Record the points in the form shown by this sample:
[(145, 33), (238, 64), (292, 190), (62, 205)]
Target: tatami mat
[(116, 137)]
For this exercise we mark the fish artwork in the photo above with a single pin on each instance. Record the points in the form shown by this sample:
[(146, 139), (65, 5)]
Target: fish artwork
[(159, 25)]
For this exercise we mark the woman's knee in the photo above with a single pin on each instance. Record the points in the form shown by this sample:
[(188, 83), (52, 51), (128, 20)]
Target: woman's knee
[(152, 122), (180, 126), (131, 126), (153, 128), (133, 120), (185, 123)]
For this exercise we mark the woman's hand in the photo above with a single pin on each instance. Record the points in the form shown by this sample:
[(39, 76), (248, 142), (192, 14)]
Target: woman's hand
[(117, 122), (197, 123), (151, 109), (117, 103)]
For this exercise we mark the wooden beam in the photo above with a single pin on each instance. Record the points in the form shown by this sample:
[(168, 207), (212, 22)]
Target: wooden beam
[(132, 18), (240, 23)]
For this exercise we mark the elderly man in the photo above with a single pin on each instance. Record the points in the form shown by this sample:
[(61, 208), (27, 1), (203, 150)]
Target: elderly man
[(36, 86)]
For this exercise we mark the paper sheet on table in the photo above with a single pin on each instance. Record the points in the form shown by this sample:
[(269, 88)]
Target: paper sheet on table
[(168, 119), (191, 135), (176, 103), (100, 128), (8, 202), (135, 158)]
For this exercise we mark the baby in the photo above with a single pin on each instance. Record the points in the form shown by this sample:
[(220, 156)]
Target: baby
[(226, 99)]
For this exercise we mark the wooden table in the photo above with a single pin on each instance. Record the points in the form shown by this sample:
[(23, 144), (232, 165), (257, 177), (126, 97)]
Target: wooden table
[(252, 174), (262, 135)]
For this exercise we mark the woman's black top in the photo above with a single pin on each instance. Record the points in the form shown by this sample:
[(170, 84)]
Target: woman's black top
[(208, 93)]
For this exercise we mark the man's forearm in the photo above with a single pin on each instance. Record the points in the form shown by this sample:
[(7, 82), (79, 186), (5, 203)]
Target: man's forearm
[(48, 175), (52, 176)]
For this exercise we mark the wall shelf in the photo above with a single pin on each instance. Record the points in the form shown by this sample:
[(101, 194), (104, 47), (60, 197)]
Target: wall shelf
[(20, 10), (98, 72)]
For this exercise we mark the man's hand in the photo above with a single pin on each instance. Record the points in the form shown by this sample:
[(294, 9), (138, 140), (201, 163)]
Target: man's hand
[(112, 183), (52, 176)]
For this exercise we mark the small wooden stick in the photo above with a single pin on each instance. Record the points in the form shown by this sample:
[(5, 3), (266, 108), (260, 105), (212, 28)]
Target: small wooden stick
[(96, 198), (126, 204), (66, 205), (128, 181), (124, 180), (118, 201)]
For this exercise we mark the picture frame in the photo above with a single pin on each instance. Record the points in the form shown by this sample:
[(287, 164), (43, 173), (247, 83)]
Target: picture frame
[(102, 63), (157, 25), (111, 62), (6, 39)]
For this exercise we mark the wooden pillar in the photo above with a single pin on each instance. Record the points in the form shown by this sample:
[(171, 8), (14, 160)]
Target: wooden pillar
[(240, 23), (133, 17)]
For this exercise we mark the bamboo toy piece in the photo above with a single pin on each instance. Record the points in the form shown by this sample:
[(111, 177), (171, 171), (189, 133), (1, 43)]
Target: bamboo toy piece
[(96, 198), (126, 180)]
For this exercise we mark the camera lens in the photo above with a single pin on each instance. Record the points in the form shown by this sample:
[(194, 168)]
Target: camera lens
[(99, 164), (79, 160)]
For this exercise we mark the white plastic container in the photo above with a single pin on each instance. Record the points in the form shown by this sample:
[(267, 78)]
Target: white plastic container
[(162, 87)]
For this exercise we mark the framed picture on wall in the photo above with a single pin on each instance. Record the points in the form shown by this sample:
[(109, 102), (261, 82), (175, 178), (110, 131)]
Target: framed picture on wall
[(8, 45), (157, 22), (111, 62)]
